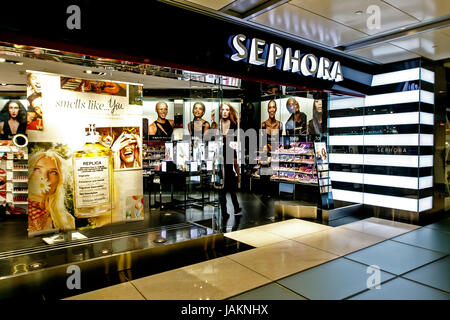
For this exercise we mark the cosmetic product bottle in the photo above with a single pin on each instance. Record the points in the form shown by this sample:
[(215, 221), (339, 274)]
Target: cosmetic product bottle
[(93, 178)]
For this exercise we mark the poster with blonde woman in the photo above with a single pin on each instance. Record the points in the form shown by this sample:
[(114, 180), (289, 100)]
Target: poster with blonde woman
[(49, 182)]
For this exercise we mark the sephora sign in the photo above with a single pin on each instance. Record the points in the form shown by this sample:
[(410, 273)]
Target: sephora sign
[(258, 52)]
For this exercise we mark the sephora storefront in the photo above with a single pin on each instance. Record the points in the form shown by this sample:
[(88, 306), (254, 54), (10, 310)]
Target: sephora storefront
[(119, 146)]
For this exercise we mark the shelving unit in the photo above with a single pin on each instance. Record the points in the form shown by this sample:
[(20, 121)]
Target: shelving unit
[(15, 162), (153, 152), (295, 163)]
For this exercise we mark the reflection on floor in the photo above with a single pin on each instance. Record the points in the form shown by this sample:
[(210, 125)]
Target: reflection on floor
[(294, 259)]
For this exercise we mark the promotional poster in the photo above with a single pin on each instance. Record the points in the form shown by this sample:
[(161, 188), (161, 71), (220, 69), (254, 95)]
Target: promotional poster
[(14, 117), (85, 172), (292, 116), (160, 119)]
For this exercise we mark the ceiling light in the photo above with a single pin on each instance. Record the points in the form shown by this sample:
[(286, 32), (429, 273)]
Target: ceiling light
[(358, 12), (88, 71), (19, 63), (3, 84), (2, 59)]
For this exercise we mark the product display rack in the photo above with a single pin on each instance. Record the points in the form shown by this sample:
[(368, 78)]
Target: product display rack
[(153, 153), (294, 163), (16, 164)]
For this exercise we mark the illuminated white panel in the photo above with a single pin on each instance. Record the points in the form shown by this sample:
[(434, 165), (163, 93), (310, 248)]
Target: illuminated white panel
[(346, 122), (391, 139), (392, 98), (346, 103), (425, 161), (391, 181), (425, 182), (427, 75), (350, 196), (390, 202), (426, 96), (426, 118), (345, 158), (351, 177), (425, 204), (391, 119), (349, 140), (426, 140), (396, 77), (391, 160)]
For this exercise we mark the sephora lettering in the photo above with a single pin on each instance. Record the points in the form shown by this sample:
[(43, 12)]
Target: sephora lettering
[(273, 55)]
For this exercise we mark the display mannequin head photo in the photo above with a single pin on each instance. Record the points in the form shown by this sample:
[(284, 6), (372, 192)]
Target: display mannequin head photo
[(229, 118), (47, 193), (13, 118), (161, 127), (296, 124), (272, 125), (198, 126), (315, 124)]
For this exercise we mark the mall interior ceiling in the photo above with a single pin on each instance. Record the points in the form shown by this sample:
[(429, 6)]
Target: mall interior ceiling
[(381, 31)]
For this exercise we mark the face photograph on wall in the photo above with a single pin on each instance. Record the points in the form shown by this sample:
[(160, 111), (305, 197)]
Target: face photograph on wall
[(13, 118), (126, 144), (160, 115), (292, 116), (199, 117), (34, 98)]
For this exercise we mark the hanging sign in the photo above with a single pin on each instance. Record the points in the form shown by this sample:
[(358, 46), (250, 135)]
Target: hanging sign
[(258, 52)]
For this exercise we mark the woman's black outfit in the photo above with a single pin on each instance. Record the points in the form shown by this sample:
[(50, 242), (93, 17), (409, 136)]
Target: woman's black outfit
[(230, 180), (163, 129), (293, 127), (20, 129), (191, 128)]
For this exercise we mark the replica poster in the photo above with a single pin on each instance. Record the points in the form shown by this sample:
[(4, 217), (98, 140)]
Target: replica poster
[(85, 160)]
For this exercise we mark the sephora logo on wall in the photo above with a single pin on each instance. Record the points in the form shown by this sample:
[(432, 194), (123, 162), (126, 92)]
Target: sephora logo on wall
[(258, 52)]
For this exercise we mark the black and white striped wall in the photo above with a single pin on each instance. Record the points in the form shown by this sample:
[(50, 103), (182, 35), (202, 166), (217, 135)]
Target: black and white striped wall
[(381, 146)]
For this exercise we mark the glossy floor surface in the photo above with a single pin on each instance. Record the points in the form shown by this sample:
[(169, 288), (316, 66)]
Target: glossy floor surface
[(297, 260)]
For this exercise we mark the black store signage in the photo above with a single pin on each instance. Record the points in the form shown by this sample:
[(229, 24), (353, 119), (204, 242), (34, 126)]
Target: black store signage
[(163, 34)]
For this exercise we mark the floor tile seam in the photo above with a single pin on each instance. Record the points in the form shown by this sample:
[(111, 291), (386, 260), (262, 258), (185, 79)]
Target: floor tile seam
[(409, 224), (425, 284), (424, 265), (368, 265), (340, 255), (253, 271), (390, 237), (290, 290), (368, 289), (401, 274), (291, 274), (273, 282), (292, 238), (145, 298), (446, 231), (370, 234), (416, 246)]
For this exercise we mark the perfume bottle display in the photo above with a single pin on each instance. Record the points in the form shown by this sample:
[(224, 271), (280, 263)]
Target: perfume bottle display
[(93, 178)]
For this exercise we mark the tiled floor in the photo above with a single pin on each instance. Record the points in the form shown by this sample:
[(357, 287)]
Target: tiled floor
[(297, 260)]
